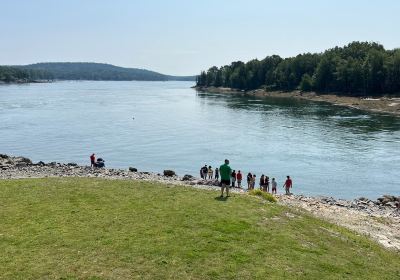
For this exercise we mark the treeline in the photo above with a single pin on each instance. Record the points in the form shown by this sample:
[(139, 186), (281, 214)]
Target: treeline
[(360, 68), (100, 72), (9, 74)]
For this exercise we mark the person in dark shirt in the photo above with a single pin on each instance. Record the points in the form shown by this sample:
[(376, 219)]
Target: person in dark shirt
[(216, 173), (249, 177), (233, 178)]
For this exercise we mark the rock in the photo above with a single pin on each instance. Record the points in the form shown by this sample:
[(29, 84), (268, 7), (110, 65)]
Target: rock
[(25, 160), (72, 164), (363, 198), (41, 163), (169, 173), (132, 169), (187, 177), (391, 204), (389, 197), (4, 156)]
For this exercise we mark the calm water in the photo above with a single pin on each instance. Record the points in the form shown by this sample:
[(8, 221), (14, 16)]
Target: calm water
[(328, 150)]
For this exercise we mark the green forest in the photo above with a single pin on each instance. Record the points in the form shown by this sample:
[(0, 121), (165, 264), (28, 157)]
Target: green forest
[(81, 71), (10, 74), (360, 68)]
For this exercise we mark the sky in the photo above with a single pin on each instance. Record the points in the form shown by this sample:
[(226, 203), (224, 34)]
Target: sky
[(183, 37)]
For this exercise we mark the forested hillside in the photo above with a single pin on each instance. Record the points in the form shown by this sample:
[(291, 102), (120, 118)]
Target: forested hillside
[(100, 72), (360, 68), (13, 74)]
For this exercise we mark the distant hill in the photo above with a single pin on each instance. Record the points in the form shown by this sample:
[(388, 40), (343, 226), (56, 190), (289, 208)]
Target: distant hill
[(97, 72)]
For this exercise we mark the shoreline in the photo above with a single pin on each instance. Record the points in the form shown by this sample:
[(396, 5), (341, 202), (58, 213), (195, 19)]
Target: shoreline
[(380, 219), (387, 105)]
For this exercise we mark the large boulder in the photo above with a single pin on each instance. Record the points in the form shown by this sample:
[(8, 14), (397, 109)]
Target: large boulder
[(169, 173), (22, 161), (187, 177)]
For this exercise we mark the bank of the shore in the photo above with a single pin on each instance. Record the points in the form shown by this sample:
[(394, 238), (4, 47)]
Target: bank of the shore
[(92, 228), (390, 105), (378, 219)]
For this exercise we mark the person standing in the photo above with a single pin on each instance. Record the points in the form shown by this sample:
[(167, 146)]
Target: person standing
[(93, 160), (204, 172), (253, 181), (239, 179), (262, 182), (225, 171), (273, 185), (266, 184), (249, 178), (216, 173), (288, 185), (210, 172), (233, 175)]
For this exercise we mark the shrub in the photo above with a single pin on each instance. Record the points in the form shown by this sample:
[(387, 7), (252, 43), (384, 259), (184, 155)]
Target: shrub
[(267, 196)]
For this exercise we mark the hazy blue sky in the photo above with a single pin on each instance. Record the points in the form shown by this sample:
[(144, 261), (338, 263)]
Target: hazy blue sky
[(184, 37)]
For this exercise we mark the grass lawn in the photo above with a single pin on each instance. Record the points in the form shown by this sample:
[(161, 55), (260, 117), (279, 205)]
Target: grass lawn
[(102, 229)]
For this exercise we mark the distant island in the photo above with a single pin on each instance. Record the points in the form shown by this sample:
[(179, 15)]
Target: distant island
[(81, 71), (358, 69)]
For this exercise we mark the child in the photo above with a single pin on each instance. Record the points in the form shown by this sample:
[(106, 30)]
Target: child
[(239, 179)]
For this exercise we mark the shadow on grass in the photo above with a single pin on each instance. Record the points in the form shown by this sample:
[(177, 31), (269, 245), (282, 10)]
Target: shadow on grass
[(219, 198)]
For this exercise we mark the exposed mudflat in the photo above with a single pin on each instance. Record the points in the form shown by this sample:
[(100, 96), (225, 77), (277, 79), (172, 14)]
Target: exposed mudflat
[(389, 105)]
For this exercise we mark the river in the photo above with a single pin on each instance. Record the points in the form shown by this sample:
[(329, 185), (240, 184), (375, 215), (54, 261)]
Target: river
[(326, 149)]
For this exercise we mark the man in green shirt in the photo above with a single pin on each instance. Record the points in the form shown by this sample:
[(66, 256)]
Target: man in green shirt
[(225, 171)]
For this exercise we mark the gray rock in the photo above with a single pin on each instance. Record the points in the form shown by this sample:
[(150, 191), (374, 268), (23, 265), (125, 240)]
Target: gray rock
[(187, 177), (25, 160), (169, 173), (132, 169), (72, 164), (391, 204)]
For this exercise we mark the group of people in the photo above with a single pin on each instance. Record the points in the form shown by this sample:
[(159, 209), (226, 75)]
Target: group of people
[(207, 172), (231, 179)]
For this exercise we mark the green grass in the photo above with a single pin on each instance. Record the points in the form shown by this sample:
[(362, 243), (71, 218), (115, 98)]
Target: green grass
[(102, 229), (267, 196)]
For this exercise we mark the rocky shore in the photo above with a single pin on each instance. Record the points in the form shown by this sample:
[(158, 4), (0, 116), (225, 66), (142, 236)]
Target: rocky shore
[(390, 105), (379, 219)]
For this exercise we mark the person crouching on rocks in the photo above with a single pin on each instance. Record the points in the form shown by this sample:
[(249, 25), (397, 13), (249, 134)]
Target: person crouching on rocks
[(93, 160), (225, 171), (287, 185)]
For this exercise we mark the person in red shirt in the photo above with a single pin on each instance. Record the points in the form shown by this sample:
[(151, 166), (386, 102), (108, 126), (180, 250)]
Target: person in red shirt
[(92, 160), (239, 179), (287, 185)]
